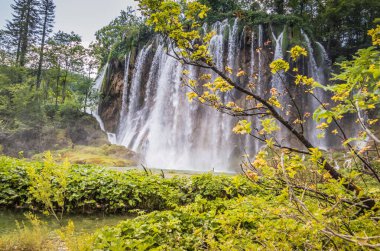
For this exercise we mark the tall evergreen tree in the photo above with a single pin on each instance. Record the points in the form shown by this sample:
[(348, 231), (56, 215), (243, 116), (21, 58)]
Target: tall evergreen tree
[(23, 26), (5, 51), (47, 13)]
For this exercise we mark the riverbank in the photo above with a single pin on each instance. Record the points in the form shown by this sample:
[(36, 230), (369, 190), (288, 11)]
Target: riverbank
[(90, 197), (95, 208)]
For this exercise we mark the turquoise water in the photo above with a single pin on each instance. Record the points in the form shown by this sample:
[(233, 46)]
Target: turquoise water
[(83, 223)]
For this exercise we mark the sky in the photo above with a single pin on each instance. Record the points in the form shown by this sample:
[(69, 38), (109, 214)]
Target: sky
[(84, 17)]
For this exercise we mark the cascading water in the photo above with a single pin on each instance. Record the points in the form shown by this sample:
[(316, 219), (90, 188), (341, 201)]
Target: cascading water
[(325, 56), (252, 65), (317, 73), (260, 68), (124, 103), (164, 127), (232, 45), (277, 81), (169, 132), (278, 84), (132, 124), (216, 43), (252, 146), (94, 110), (148, 100)]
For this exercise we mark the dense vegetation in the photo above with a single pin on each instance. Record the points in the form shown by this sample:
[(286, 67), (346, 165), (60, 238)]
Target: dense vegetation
[(292, 197), (201, 212), (88, 188), (300, 170), (261, 222), (45, 80), (341, 25), (118, 38)]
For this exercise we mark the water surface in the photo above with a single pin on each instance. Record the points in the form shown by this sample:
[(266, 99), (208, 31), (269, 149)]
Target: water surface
[(83, 223)]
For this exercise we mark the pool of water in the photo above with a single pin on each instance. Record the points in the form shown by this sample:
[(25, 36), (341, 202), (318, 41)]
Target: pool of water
[(83, 223)]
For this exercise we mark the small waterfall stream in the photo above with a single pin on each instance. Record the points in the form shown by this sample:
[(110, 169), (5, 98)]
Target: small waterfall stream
[(232, 45), (132, 124), (317, 74), (260, 45), (94, 110), (124, 103), (158, 122), (277, 81)]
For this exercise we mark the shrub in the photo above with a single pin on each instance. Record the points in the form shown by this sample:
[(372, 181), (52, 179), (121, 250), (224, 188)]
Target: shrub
[(260, 222), (91, 188)]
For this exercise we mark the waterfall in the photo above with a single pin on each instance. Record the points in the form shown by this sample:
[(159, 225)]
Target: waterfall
[(252, 65), (216, 43), (277, 81), (131, 121), (148, 101), (160, 124), (94, 110), (252, 146), (124, 103), (313, 67), (318, 75), (279, 84), (261, 35), (325, 55), (260, 68), (232, 45)]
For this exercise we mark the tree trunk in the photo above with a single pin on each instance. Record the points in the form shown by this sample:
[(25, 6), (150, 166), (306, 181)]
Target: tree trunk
[(24, 36), (64, 86), (57, 87), (39, 72), (20, 32)]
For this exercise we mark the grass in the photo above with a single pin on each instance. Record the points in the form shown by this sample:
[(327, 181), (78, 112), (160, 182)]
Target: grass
[(39, 232), (34, 237), (106, 155)]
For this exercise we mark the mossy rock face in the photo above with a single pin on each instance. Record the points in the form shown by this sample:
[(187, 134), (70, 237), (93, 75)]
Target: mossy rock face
[(84, 130)]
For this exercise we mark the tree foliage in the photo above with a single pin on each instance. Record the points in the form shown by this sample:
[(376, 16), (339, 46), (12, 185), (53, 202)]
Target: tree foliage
[(295, 176), (47, 9), (116, 39), (341, 25), (58, 65), (22, 30)]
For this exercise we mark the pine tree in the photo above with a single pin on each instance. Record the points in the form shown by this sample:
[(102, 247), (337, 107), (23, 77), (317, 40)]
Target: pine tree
[(22, 29), (46, 11), (5, 51), (14, 28)]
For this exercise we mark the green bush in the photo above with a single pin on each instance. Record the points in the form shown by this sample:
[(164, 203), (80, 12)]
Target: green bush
[(92, 188), (254, 222), (70, 111), (13, 182), (247, 223)]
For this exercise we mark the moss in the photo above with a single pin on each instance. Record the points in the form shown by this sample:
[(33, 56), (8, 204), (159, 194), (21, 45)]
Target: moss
[(297, 38), (285, 41), (260, 17), (106, 155)]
